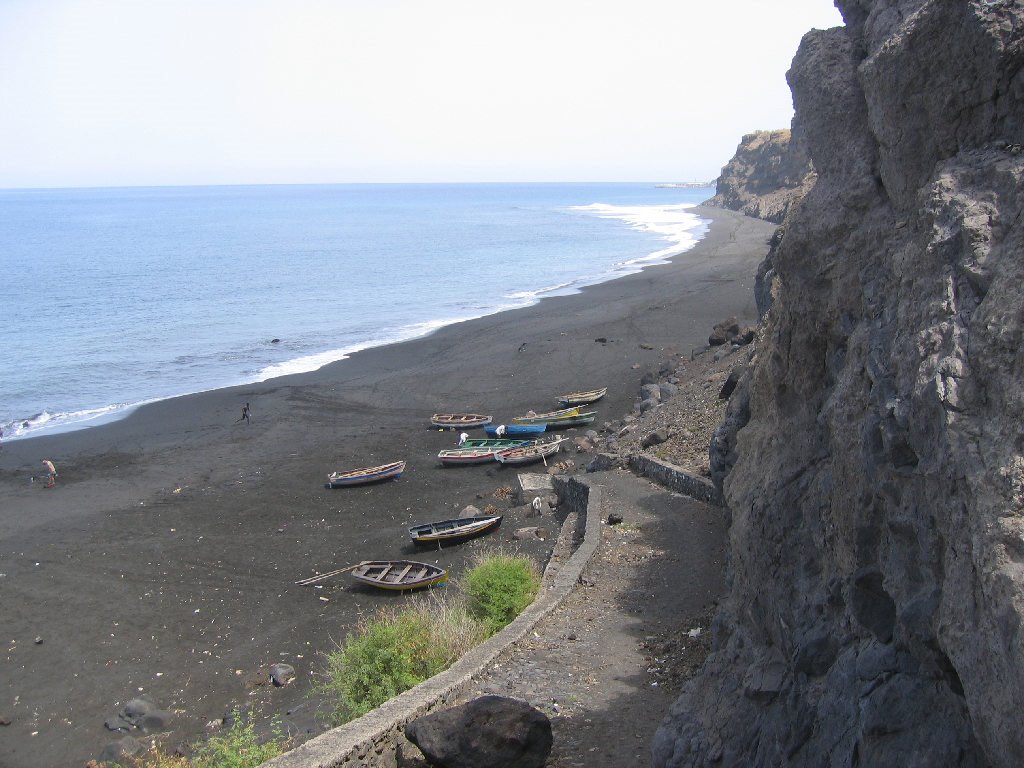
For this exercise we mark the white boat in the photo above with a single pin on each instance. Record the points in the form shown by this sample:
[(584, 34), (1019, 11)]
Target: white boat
[(529, 453)]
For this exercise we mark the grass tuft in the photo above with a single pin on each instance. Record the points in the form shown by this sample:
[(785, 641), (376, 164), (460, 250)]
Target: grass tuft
[(237, 747), (499, 587), (392, 652)]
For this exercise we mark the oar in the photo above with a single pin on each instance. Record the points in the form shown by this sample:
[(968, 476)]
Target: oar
[(322, 576)]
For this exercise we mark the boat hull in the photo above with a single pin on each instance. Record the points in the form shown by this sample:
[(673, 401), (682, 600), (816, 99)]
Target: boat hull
[(366, 475), (529, 454), (500, 444), (398, 575), (465, 456), (547, 418), (583, 398), (453, 531), (459, 420), (518, 429), (570, 420), (573, 421)]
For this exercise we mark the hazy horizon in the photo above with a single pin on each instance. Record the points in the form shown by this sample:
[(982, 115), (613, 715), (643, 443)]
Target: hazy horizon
[(192, 93)]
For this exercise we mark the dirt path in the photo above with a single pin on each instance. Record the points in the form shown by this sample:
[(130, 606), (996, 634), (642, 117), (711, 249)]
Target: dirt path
[(607, 664)]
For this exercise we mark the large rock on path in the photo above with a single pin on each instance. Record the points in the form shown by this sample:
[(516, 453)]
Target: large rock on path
[(492, 731)]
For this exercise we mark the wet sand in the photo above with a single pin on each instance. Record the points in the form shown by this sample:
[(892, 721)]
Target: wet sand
[(163, 562)]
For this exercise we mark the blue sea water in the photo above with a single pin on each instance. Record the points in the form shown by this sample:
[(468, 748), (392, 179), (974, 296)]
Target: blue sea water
[(117, 297)]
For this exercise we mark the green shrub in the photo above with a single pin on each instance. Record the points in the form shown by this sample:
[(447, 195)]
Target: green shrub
[(392, 652), (237, 747), (499, 587)]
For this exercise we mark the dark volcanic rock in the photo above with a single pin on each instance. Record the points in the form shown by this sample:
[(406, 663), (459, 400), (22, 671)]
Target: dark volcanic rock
[(872, 453), (770, 171), (281, 674), (724, 332), (493, 731), (118, 751)]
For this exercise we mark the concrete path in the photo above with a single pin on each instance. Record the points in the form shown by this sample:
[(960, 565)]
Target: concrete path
[(608, 663)]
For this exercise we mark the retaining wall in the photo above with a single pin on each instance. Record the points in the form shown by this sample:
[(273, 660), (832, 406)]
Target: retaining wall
[(675, 479)]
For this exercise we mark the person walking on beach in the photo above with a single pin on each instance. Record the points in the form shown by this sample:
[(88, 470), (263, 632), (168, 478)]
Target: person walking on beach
[(245, 413), (51, 473)]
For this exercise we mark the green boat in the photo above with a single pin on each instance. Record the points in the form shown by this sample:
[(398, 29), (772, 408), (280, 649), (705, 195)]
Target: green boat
[(487, 443)]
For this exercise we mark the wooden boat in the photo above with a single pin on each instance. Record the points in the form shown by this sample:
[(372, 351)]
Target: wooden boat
[(517, 429), (456, 456), (459, 420), (452, 531), (583, 398), (496, 443), (365, 475), (572, 421), (398, 574), (529, 453), (546, 418)]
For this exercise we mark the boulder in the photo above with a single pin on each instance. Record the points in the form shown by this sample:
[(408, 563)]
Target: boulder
[(667, 391), (492, 731), (730, 383), (582, 444), (155, 721), (602, 463), (650, 392), (530, 533), (118, 751), (136, 709), (281, 674), (657, 437), (745, 335), (648, 405), (723, 332)]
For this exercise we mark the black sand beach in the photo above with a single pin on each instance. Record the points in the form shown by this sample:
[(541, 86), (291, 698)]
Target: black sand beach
[(163, 563)]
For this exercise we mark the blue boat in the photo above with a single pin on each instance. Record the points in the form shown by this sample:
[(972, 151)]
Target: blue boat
[(517, 429)]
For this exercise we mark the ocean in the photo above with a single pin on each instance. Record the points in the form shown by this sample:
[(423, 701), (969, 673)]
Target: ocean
[(117, 297)]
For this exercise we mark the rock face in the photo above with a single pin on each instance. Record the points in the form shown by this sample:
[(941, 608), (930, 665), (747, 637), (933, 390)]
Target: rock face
[(875, 442), (770, 171)]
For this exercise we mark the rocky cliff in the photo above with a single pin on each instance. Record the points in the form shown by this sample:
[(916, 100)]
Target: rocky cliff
[(768, 173), (876, 441)]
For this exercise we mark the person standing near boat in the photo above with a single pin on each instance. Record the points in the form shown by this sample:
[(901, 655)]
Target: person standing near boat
[(463, 438), (51, 473)]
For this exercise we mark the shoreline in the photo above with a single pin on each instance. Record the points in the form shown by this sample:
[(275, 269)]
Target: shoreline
[(163, 562), (94, 400)]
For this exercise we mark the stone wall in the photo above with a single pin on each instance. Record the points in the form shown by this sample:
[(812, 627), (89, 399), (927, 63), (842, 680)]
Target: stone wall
[(675, 479), (877, 545)]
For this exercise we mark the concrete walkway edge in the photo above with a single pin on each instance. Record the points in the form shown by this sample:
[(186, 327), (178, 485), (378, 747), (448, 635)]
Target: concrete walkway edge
[(372, 739)]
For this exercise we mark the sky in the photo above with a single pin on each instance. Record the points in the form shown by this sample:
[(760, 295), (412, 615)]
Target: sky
[(171, 92)]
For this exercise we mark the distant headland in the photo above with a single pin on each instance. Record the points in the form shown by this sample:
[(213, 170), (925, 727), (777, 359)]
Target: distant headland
[(686, 185)]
